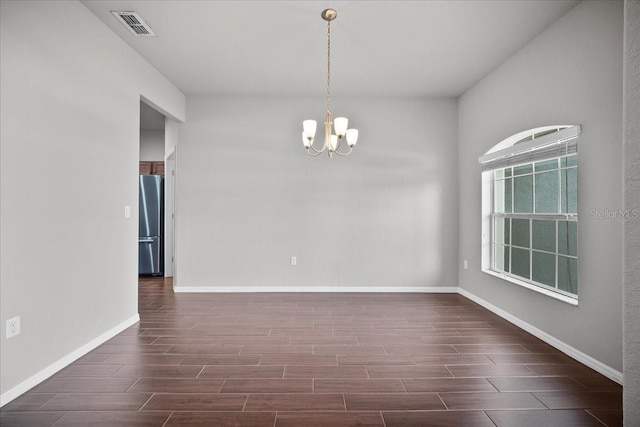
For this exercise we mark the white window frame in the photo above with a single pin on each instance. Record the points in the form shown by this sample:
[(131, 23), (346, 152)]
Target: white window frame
[(507, 153)]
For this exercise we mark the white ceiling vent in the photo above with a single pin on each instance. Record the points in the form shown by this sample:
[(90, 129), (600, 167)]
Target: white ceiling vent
[(134, 23)]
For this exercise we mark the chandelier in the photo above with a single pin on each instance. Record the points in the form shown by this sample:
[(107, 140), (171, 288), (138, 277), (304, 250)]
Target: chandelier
[(332, 142)]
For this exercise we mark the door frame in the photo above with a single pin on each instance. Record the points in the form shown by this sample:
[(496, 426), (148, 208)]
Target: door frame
[(169, 214)]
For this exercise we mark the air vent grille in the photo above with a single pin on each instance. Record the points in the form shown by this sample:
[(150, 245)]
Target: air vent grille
[(134, 23)]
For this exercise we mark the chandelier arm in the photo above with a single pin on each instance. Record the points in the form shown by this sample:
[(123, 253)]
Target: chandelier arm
[(312, 154), (324, 147), (345, 153)]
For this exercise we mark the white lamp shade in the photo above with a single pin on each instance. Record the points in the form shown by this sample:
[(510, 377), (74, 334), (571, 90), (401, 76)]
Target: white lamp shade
[(305, 140), (309, 128), (333, 143), (352, 137), (340, 125)]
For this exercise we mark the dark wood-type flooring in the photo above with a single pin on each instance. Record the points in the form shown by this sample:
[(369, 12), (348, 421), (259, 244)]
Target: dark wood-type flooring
[(319, 359)]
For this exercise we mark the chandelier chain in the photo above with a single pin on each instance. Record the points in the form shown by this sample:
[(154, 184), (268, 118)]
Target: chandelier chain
[(329, 67)]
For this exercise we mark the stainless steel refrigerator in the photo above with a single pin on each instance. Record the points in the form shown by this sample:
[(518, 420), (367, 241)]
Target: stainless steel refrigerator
[(151, 225)]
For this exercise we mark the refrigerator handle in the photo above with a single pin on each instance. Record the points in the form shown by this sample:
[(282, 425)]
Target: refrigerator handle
[(147, 240)]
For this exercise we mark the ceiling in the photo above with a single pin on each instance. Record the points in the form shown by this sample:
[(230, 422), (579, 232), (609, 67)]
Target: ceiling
[(389, 48)]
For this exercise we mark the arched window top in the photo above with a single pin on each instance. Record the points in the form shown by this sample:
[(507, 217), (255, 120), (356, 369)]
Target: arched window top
[(533, 144), (526, 135)]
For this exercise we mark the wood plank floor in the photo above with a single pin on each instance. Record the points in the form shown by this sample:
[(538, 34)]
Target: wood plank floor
[(310, 359)]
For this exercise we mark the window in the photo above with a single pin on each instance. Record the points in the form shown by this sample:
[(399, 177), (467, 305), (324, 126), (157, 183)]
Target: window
[(530, 211)]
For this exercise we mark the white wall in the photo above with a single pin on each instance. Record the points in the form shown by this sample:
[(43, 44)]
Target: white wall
[(152, 145), (249, 197), (570, 74), (631, 391), (70, 112)]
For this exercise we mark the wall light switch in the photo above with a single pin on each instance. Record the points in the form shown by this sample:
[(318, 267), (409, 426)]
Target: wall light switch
[(294, 260), (127, 211), (465, 264)]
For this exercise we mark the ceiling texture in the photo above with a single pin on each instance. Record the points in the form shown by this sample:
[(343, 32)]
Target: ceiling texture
[(378, 48)]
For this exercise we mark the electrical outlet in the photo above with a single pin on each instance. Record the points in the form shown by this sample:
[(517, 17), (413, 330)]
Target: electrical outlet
[(294, 260), (465, 264), (13, 327)]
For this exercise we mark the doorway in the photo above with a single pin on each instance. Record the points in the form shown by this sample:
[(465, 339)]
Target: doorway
[(152, 193)]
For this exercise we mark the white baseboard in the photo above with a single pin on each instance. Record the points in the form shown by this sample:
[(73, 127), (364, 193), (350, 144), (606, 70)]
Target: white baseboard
[(62, 363), (373, 289), (573, 352)]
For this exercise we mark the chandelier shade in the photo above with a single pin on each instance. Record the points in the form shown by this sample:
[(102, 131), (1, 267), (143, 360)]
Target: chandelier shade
[(340, 125), (352, 137)]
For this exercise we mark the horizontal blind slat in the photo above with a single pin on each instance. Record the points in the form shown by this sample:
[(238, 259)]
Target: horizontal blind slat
[(561, 143), (544, 153)]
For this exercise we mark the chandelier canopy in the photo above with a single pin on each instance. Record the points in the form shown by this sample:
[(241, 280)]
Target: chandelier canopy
[(332, 142)]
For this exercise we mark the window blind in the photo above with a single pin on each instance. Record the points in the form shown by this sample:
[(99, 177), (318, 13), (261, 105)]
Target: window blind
[(557, 144)]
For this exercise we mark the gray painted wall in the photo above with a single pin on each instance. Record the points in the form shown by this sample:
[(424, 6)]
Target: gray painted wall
[(249, 197), (69, 140), (570, 74), (631, 391)]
